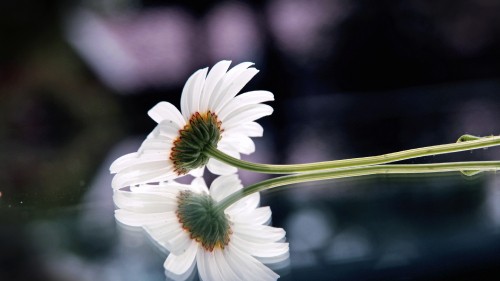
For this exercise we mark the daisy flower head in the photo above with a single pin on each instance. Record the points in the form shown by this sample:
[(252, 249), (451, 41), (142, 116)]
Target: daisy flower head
[(212, 115), (230, 244)]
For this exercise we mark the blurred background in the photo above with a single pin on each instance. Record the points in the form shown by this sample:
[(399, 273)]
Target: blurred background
[(351, 78)]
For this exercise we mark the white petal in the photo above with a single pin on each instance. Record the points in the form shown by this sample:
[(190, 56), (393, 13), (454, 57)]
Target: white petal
[(202, 264), (194, 106), (246, 114), (258, 233), (253, 97), (223, 86), (240, 143), (144, 202), (214, 76), (181, 264), (260, 250), (251, 129), (257, 96), (169, 130), (146, 161), (149, 159), (150, 164), (198, 185), (156, 144), (198, 172), (211, 267), (187, 94), (137, 219), (164, 231), (241, 270), (228, 150), (219, 168), (160, 158), (247, 266), (167, 189), (165, 111), (222, 186), (257, 216), (245, 204), (143, 173), (121, 180), (232, 90), (166, 130), (225, 269), (122, 162), (179, 243), (233, 74)]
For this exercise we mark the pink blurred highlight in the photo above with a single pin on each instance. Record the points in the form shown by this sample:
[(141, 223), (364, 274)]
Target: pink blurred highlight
[(233, 32), (151, 48)]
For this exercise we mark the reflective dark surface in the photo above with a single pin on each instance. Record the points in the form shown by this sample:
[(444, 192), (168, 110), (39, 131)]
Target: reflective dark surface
[(350, 79)]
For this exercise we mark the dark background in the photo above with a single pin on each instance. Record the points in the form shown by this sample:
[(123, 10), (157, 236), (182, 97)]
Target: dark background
[(350, 78)]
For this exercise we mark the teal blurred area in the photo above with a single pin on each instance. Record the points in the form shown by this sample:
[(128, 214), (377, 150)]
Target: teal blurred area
[(350, 78)]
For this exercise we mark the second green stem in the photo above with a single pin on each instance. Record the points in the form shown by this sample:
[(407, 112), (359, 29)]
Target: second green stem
[(478, 166)]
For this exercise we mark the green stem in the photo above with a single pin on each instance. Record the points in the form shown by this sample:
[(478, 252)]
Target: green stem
[(477, 166), (465, 142)]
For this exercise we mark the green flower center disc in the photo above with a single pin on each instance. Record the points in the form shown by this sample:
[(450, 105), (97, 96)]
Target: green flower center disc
[(202, 130), (205, 223)]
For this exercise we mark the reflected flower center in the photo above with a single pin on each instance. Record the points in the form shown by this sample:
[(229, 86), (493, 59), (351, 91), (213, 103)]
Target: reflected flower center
[(205, 223)]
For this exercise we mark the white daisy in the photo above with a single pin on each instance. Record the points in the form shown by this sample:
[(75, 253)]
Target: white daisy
[(212, 114), (224, 245)]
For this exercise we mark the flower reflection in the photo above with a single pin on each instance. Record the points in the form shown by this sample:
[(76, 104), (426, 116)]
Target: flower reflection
[(184, 220)]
